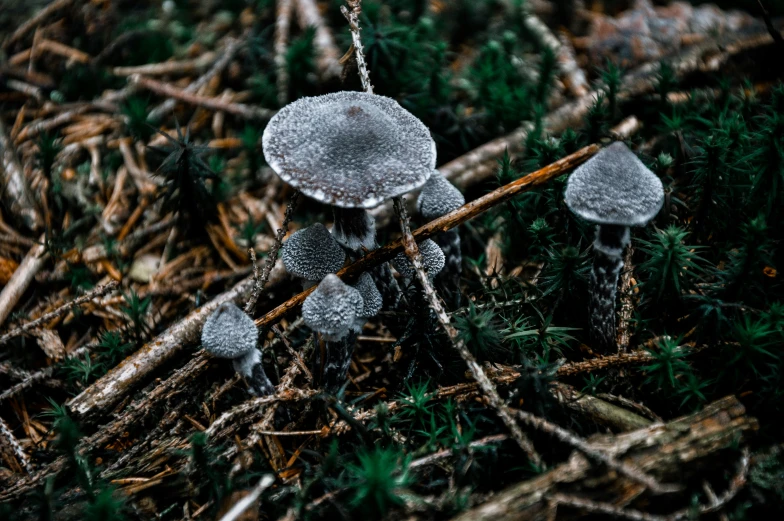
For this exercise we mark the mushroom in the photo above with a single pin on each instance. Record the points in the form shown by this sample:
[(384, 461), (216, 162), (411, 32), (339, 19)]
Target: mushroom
[(230, 333), (371, 299), (332, 311), (614, 190), (432, 260), (311, 254), (351, 150), (440, 197)]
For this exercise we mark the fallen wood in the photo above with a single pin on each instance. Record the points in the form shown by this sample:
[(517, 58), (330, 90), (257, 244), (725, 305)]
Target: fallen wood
[(683, 450)]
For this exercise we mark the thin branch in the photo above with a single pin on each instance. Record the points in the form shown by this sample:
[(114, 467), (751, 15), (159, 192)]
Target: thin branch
[(352, 15), (217, 68), (95, 293), (16, 448), (217, 104), (272, 256), (328, 58), (282, 29), (444, 223), (35, 21), (245, 503), (487, 387)]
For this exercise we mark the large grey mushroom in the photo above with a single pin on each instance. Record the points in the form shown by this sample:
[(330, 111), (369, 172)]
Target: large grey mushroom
[(311, 254), (332, 311), (437, 198), (230, 333), (351, 150), (614, 190)]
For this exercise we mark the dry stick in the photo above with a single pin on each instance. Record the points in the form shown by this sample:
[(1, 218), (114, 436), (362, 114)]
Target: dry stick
[(217, 104), (16, 194), (167, 106), (580, 444), (627, 302), (245, 503), (169, 67), (282, 28), (327, 62), (272, 256), (21, 279), (446, 453), (444, 223), (352, 15), (487, 387), (36, 20), (97, 292), (13, 443)]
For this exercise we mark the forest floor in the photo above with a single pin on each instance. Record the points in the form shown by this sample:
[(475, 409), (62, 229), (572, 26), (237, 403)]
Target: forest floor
[(136, 200)]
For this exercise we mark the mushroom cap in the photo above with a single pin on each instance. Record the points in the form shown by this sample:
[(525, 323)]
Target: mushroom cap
[(438, 197), (615, 187), (432, 260), (371, 297), (349, 149), (229, 332), (332, 308), (312, 253)]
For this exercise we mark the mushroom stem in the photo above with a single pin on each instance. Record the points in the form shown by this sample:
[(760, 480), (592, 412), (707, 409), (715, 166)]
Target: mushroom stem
[(354, 228), (337, 361), (249, 366), (608, 261), (448, 279)]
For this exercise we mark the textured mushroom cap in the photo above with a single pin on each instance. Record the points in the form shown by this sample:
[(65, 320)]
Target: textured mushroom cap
[(432, 260), (438, 197), (312, 253), (349, 149), (615, 187), (371, 297), (229, 332), (332, 308)]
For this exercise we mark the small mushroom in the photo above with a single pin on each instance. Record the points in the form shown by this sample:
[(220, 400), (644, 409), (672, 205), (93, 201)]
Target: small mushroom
[(440, 197), (311, 254), (371, 299), (230, 333), (614, 190), (332, 311), (432, 261)]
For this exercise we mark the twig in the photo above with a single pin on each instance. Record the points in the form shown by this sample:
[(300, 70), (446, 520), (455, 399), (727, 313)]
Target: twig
[(596, 507), (21, 279), (16, 195), (217, 104), (169, 67), (445, 453), (574, 77), (243, 504), (167, 106), (272, 256), (97, 292), (309, 15), (282, 28), (444, 223), (352, 15), (627, 301), (598, 410), (35, 21), (487, 387), (13, 443), (631, 472)]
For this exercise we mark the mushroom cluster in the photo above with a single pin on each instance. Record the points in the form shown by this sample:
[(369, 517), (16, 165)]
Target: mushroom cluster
[(615, 191), (352, 151)]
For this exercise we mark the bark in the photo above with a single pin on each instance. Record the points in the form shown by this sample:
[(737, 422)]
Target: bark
[(684, 450)]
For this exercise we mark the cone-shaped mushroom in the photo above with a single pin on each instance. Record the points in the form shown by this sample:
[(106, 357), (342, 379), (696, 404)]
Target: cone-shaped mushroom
[(440, 197), (614, 190), (230, 333), (311, 254), (432, 260), (351, 150), (332, 311)]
